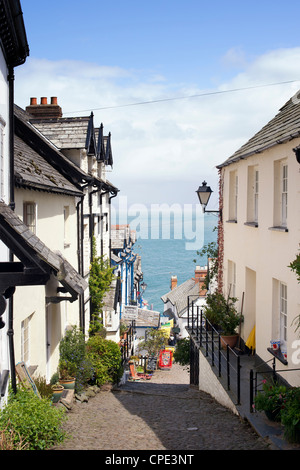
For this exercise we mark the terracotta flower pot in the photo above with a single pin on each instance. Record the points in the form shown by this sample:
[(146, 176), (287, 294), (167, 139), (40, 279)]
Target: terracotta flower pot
[(230, 340)]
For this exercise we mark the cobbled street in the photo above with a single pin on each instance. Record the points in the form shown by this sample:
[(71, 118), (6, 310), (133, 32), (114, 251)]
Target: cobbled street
[(163, 413)]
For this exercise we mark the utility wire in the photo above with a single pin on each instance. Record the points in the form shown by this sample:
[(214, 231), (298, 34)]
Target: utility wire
[(184, 97)]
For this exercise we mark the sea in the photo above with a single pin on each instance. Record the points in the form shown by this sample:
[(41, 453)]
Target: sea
[(169, 245)]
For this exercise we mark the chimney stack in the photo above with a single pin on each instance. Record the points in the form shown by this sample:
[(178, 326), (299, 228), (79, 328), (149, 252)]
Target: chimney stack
[(173, 282), (44, 110), (200, 275)]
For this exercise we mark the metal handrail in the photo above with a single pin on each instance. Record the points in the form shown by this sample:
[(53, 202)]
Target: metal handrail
[(210, 339), (254, 386)]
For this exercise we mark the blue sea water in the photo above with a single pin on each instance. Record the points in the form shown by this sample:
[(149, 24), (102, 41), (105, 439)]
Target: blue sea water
[(164, 257)]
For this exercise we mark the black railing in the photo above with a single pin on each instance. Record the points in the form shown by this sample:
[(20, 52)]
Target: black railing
[(258, 376), (127, 344), (223, 359)]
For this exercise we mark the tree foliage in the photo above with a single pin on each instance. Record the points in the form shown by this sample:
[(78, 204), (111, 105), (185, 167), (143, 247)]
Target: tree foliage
[(154, 342)]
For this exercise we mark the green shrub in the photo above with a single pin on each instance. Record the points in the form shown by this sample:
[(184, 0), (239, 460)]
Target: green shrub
[(154, 342), (73, 358), (271, 399), (182, 352), (105, 357), (290, 415), (44, 389), (34, 422)]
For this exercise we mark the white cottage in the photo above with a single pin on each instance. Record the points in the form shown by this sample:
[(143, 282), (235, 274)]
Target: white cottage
[(259, 236), (13, 52)]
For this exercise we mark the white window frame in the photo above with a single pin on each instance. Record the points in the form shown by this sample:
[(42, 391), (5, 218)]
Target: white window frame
[(233, 195), (255, 195), (252, 196), (30, 216), (283, 314), (284, 194), (25, 340), (232, 278), (66, 226), (280, 212)]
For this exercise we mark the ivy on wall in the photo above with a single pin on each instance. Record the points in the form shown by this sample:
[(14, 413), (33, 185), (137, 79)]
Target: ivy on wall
[(101, 276)]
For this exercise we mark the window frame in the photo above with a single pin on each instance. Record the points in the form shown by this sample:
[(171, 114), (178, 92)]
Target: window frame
[(31, 224)]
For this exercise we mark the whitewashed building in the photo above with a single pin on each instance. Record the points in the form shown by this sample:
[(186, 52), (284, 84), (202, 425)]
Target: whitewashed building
[(13, 53), (182, 299), (260, 234)]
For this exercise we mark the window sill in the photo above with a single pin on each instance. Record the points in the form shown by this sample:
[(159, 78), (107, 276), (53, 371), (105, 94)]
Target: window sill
[(231, 221), (279, 229), (278, 355), (251, 224)]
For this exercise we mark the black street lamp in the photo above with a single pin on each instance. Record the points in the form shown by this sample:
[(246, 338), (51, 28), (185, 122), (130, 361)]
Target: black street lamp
[(204, 193)]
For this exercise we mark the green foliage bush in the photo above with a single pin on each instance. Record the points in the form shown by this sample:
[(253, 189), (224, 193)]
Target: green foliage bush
[(73, 359), (100, 279), (106, 360), (182, 352), (34, 422), (290, 416), (154, 342)]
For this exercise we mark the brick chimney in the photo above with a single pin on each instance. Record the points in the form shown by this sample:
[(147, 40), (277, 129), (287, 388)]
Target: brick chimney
[(44, 110), (200, 274), (173, 282)]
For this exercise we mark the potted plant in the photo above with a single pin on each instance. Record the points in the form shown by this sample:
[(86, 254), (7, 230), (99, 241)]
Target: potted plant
[(271, 400), (57, 390), (221, 313), (123, 330), (228, 322), (67, 373)]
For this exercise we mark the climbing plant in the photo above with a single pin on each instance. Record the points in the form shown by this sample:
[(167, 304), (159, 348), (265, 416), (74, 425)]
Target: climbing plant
[(210, 250), (295, 267), (101, 276)]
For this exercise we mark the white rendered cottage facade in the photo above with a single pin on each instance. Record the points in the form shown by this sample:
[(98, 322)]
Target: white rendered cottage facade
[(260, 234), (13, 52)]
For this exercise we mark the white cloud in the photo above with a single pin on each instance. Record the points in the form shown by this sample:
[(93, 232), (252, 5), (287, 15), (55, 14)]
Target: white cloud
[(164, 150)]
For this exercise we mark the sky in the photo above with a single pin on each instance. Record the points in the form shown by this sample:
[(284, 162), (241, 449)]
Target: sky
[(180, 85)]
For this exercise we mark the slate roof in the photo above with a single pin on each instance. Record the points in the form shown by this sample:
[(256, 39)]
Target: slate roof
[(178, 296), (109, 298), (27, 242), (26, 131), (65, 133), (145, 318), (33, 171), (283, 127), (122, 236)]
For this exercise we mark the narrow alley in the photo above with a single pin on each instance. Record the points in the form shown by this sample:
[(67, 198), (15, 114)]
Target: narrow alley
[(163, 413)]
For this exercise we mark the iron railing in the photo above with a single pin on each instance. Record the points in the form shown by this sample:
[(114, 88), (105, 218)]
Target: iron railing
[(127, 344), (258, 376), (225, 362)]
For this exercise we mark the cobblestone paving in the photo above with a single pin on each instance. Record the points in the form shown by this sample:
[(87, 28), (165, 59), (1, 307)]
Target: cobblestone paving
[(163, 413)]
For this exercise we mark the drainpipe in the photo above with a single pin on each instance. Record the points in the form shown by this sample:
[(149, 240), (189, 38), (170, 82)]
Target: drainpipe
[(80, 235), (10, 331)]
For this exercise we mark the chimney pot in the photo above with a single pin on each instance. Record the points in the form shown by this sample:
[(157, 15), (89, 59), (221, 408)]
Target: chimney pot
[(173, 282), (33, 101), (54, 100), (43, 100)]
